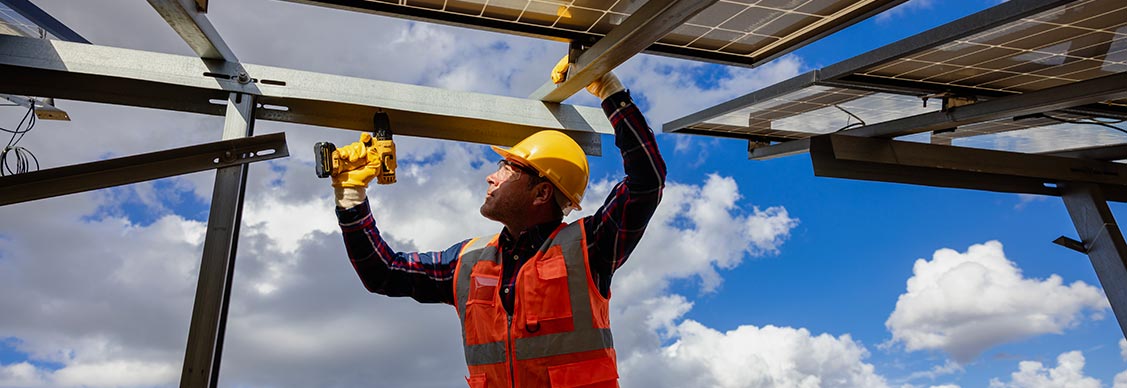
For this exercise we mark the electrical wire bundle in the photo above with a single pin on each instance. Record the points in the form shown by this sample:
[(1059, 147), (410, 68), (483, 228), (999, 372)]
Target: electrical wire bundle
[(23, 158)]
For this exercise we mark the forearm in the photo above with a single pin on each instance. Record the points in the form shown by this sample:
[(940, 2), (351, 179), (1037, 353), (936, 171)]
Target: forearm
[(616, 228), (641, 160), (426, 277)]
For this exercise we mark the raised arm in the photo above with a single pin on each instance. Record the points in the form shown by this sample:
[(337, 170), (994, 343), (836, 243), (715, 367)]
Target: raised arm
[(427, 277), (616, 228)]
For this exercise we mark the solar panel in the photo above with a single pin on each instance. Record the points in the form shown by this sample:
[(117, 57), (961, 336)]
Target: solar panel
[(741, 32), (813, 110), (11, 23), (1053, 137), (1083, 40), (1014, 48)]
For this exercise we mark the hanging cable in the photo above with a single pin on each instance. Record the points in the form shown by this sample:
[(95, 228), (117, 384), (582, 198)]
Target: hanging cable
[(23, 158), (1088, 120), (859, 123)]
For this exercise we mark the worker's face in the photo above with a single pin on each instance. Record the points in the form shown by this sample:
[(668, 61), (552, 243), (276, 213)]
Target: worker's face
[(509, 195)]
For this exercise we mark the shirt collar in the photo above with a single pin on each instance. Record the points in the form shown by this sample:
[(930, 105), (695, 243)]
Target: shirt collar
[(532, 237)]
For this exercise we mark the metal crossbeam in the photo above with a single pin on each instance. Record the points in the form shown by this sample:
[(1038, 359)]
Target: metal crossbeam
[(651, 22), (186, 19), (1105, 88), (44, 20), (138, 168), (852, 157), (173, 82), (1103, 241), (1102, 152)]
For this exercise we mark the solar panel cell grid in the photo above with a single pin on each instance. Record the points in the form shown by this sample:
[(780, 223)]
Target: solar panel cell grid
[(1080, 41), (750, 29)]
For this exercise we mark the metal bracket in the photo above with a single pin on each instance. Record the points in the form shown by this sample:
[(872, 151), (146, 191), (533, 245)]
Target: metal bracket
[(1071, 244), (949, 100)]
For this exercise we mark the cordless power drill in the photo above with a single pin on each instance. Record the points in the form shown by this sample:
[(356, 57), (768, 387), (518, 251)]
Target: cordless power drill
[(331, 161)]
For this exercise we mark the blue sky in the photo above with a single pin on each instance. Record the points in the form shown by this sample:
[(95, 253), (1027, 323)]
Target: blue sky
[(754, 273)]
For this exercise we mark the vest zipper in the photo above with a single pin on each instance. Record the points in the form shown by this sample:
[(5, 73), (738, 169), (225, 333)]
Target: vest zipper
[(512, 357)]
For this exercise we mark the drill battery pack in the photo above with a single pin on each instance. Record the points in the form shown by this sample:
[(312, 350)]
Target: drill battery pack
[(323, 154)]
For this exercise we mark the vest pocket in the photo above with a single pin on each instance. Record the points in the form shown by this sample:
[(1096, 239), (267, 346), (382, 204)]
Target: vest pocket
[(599, 372), (476, 380), (483, 289), (548, 303)]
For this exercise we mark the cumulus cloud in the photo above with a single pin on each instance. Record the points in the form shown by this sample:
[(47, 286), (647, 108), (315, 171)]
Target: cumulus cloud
[(751, 356), (699, 229), (1069, 373), (965, 303)]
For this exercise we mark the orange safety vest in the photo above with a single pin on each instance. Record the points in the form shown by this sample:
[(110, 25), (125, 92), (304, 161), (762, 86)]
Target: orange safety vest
[(559, 333)]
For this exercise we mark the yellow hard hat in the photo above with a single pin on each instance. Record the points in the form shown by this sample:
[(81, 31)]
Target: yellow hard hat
[(556, 157)]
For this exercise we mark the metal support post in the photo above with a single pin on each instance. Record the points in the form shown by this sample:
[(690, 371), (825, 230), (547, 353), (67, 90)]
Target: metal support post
[(213, 291), (1103, 241)]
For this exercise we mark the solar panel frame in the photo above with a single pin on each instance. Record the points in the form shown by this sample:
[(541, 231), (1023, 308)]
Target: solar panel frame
[(718, 42)]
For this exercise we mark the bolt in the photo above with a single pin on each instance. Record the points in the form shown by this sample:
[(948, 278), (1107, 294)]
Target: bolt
[(243, 77)]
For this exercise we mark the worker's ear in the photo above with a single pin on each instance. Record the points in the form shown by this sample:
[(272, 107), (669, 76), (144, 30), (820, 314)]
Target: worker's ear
[(543, 193)]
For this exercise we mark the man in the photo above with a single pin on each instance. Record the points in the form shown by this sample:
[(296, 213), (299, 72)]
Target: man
[(532, 299)]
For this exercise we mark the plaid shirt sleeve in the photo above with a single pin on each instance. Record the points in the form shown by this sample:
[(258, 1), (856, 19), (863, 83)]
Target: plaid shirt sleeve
[(615, 229), (427, 277)]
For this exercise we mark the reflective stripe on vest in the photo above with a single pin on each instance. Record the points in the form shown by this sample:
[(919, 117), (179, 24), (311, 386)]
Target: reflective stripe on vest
[(583, 338)]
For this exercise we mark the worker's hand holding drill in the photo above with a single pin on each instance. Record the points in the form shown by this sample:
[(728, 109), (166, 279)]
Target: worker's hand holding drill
[(354, 166)]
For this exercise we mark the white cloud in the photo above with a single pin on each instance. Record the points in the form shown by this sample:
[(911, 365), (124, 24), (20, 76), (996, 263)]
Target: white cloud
[(909, 7), (21, 374), (1069, 373), (965, 303), (750, 356), (1123, 348), (936, 371)]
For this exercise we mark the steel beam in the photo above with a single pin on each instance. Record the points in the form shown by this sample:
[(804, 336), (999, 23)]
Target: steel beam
[(884, 160), (647, 25), (173, 82), (791, 85), (213, 290), (1090, 91), (1103, 152), (186, 18), (1103, 241), (44, 20), (138, 168)]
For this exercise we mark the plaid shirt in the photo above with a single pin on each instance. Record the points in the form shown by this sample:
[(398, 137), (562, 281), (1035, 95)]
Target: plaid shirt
[(612, 232)]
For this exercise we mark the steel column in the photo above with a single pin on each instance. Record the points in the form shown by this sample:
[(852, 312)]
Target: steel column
[(1103, 241), (213, 291)]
